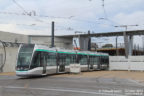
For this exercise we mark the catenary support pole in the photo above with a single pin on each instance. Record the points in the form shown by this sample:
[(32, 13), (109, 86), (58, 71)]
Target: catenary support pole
[(117, 46), (126, 43), (130, 45), (89, 41), (52, 35)]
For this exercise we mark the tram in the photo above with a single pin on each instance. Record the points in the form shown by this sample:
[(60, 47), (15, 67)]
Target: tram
[(36, 60)]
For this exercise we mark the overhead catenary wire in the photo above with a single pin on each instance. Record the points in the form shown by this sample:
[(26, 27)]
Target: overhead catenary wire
[(39, 20), (20, 6), (36, 17), (53, 17), (26, 11), (104, 10), (105, 14)]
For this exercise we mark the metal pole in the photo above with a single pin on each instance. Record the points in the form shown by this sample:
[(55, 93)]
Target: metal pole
[(130, 45), (143, 44), (126, 43), (126, 39), (116, 46), (89, 41), (79, 40), (52, 35)]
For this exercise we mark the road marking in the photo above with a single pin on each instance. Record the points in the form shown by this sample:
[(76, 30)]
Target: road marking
[(136, 82), (63, 90)]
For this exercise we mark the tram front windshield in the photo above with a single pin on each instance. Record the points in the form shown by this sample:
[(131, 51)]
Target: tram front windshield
[(24, 57)]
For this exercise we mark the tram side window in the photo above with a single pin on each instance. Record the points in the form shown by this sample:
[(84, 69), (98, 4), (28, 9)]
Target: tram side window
[(73, 58), (83, 60), (91, 59), (96, 60), (79, 58), (36, 60), (62, 58), (68, 60), (103, 60), (51, 59), (100, 60), (106, 60)]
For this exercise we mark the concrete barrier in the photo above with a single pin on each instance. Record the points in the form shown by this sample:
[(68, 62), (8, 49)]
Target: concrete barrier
[(75, 68), (11, 56), (121, 63)]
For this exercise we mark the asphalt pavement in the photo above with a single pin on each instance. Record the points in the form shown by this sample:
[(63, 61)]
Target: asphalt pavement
[(69, 86)]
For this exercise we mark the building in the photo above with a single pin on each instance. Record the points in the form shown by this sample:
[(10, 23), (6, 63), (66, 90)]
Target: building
[(13, 40)]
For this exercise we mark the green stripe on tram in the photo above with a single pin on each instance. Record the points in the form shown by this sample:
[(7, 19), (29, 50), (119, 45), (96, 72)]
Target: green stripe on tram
[(67, 52), (21, 71), (82, 54), (45, 50)]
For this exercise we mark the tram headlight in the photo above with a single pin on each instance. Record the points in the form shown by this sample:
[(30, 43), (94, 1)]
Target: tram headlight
[(25, 69), (17, 68), (22, 69)]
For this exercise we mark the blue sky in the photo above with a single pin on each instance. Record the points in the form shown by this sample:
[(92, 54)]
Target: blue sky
[(70, 16)]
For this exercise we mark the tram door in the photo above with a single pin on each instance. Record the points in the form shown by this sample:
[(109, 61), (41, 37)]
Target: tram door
[(91, 62), (62, 62), (99, 62), (43, 62)]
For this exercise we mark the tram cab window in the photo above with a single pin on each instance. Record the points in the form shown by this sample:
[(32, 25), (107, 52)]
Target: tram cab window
[(36, 60), (24, 56)]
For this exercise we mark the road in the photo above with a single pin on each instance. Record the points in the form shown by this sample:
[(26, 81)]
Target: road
[(69, 86)]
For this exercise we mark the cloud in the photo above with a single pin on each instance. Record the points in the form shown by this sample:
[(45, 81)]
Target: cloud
[(117, 6), (85, 12), (130, 19)]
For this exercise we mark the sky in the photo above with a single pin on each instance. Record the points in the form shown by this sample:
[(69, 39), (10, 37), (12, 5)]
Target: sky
[(71, 16)]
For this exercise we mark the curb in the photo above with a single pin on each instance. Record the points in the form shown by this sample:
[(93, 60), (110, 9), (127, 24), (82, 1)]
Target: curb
[(7, 74)]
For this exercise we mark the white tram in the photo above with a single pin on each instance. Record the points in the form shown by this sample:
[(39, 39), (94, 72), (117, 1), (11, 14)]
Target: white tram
[(35, 60)]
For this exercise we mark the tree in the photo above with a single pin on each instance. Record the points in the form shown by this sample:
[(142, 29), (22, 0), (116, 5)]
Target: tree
[(107, 46)]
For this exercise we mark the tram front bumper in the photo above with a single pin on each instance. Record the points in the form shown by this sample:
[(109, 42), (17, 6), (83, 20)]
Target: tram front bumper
[(33, 72)]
